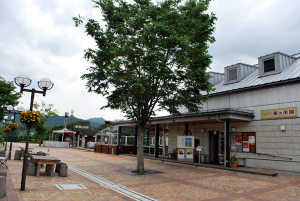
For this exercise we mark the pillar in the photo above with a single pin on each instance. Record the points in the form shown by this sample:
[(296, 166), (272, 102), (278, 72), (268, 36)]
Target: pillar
[(186, 130), (156, 141), (227, 143), (118, 140)]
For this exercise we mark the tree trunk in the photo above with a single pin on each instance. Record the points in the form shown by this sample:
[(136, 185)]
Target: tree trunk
[(140, 149)]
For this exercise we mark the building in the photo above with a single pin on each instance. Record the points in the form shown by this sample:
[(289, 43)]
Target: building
[(253, 114), (85, 137)]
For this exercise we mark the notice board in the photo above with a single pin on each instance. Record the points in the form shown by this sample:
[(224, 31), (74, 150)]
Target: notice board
[(185, 141)]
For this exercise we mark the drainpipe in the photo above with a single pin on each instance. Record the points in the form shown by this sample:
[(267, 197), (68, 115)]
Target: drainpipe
[(225, 139)]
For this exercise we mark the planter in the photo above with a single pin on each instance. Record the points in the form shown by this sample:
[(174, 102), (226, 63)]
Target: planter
[(233, 164)]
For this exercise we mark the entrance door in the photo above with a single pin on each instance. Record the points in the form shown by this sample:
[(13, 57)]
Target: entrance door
[(214, 146)]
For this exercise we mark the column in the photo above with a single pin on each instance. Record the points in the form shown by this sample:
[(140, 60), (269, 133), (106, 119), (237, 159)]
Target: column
[(118, 140), (164, 141), (227, 143), (186, 130), (156, 141)]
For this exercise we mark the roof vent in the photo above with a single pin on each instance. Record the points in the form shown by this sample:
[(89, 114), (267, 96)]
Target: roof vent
[(274, 63), (237, 72)]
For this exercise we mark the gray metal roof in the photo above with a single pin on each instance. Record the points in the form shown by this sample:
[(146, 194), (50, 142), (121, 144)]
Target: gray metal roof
[(252, 80), (205, 115)]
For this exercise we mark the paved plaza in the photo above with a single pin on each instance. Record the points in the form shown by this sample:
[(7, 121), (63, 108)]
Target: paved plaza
[(97, 176)]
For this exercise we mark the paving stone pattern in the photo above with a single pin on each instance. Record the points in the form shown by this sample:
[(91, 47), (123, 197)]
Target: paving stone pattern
[(176, 182)]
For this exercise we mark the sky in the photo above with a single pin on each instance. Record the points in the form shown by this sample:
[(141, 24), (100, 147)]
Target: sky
[(38, 38)]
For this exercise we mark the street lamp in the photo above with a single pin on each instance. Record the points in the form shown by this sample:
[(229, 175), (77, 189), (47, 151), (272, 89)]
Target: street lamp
[(6, 121), (10, 109), (24, 81)]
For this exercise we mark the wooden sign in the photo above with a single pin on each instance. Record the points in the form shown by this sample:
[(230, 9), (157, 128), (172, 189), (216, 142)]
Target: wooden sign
[(279, 113)]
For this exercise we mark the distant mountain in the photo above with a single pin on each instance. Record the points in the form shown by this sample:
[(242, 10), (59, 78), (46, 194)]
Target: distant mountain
[(96, 121), (60, 120)]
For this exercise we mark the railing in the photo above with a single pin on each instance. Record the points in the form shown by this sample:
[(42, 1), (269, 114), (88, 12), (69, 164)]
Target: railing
[(47, 143), (274, 156)]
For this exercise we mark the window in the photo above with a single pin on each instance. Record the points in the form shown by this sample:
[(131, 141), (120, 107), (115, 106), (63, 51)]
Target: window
[(269, 65), (232, 74)]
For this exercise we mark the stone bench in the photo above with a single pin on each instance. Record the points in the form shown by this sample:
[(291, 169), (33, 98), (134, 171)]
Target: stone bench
[(18, 154), (31, 169), (3, 184), (62, 169)]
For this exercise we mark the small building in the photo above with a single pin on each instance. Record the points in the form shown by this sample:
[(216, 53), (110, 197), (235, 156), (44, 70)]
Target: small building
[(111, 141), (86, 137), (252, 113)]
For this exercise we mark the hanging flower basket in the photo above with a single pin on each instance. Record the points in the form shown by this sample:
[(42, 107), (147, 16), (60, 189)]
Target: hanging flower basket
[(29, 118), (13, 126), (6, 129)]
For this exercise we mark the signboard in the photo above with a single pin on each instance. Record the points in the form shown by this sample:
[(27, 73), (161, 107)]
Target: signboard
[(85, 127), (180, 154), (185, 141), (199, 148), (190, 154), (279, 113), (249, 142)]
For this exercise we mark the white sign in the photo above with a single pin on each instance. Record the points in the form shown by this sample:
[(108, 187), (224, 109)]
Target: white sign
[(180, 154), (85, 127), (199, 148), (190, 154), (185, 141)]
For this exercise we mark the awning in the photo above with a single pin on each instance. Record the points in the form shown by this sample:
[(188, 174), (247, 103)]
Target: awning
[(208, 116)]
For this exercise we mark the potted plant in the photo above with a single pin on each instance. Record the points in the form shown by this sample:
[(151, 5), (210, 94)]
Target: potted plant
[(233, 161)]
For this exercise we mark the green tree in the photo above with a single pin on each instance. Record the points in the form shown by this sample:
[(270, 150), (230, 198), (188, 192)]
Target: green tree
[(7, 96), (150, 57), (45, 111)]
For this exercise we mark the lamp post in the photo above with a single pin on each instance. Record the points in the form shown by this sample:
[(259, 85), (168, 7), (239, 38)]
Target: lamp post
[(10, 109), (6, 121), (24, 81)]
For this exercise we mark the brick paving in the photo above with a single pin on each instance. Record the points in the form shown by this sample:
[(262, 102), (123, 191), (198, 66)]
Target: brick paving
[(175, 182)]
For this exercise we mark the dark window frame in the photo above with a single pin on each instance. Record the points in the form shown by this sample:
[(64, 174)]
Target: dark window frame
[(271, 67), (230, 79)]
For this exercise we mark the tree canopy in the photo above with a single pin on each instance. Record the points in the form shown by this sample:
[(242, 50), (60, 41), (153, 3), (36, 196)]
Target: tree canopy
[(150, 56), (7, 95)]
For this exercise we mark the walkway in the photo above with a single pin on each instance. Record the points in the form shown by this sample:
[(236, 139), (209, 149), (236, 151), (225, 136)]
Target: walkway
[(107, 177)]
